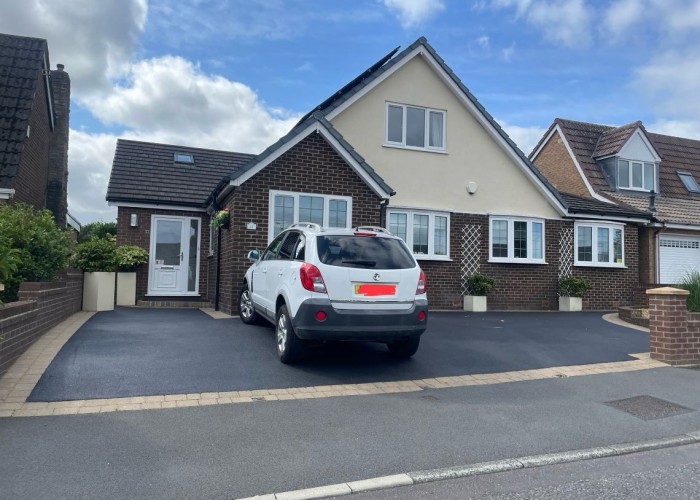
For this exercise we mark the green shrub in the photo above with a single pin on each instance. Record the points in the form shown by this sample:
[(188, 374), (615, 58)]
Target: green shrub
[(99, 254), (478, 284), (573, 286), (97, 230), (130, 256), (41, 249), (691, 282)]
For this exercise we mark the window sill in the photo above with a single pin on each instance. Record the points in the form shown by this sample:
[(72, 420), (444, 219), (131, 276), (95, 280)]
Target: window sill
[(604, 266), (636, 190), (432, 257), (518, 261), (413, 148)]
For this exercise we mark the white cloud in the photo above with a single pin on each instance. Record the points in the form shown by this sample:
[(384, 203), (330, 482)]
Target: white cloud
[(508, 52), (95, 40), (525, 137), (621, 16), (672, 82), (414, 12), (483, 41), (678, 128)]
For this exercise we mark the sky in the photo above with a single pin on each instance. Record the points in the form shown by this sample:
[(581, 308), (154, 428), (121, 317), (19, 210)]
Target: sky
[(235, 75)]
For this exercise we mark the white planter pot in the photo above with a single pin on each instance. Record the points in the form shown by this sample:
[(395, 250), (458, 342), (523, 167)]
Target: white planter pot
[(475, 303), (126, 289), (570, 304), (98, 291)]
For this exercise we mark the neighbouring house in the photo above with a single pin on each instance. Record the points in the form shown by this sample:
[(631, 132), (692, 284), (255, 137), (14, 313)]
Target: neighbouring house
[(404, 145), (34, 125), (631, 167)]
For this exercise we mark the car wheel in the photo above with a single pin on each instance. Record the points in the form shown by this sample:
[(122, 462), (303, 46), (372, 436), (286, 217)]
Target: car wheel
[(245, 306), (289, 346), (404, 348)]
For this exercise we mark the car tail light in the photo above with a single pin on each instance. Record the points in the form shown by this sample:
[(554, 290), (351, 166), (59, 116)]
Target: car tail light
[(422, 288), (311, 278)]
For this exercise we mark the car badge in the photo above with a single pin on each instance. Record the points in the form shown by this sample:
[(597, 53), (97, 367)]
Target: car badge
[(377, 277)]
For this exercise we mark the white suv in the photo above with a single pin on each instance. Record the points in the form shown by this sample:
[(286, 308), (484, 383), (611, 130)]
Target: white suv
[(318, 283)]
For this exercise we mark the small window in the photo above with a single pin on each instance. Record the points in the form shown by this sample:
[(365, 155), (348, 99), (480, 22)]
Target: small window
[(636, 175), (415, 127), (516, 240), (184, 158), (689, 182), (599, 245)]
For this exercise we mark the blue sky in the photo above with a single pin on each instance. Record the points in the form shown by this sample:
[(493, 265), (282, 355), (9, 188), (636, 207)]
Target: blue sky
[(235, 75)]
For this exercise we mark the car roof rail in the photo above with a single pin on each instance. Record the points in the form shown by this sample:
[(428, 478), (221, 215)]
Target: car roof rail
[(374, 229), (307, 225)]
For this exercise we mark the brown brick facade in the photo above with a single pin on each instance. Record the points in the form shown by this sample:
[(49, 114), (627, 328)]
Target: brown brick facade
[(674, 334), (554, 161), (141, 236), (313, 167)]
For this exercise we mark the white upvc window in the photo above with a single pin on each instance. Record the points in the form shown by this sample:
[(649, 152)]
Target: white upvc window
[(287, 208), (414, 127), (636, 175), (599, 245), (516, 240), (426, 233)]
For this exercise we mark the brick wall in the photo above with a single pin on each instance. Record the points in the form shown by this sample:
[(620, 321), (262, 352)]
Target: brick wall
[(674, 334), (32, 174), (556, 164), (530, 286), (141, 236), (312, 166), (40, 307)]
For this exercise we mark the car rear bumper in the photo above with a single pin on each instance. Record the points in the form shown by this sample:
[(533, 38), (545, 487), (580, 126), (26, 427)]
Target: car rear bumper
[(363, 324)]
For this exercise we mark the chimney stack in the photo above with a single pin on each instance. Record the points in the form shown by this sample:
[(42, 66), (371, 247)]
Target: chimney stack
[(57, 195)]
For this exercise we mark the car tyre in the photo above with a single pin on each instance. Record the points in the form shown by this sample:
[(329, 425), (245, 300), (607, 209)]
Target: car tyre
[(245, 306), (289, 346), (404, 348)]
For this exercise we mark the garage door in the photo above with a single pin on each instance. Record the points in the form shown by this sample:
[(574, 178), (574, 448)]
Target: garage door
[(677, 256)]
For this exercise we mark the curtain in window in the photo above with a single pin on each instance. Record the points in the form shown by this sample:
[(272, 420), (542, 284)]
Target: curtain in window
[(499, 238), (420, 234), (436, 130), (585, 244), (440, 235), (603, 244), (537, 240)]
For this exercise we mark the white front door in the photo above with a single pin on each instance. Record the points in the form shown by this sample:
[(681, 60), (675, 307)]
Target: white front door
[(174, 257)]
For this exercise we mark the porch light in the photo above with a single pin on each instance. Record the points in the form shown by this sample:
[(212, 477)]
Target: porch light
[(134, 220)]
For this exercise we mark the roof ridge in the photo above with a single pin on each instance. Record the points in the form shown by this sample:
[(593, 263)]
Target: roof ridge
[(120, 139)]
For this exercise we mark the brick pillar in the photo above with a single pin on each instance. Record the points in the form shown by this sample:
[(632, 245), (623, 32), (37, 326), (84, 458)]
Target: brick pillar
[(674, 338)]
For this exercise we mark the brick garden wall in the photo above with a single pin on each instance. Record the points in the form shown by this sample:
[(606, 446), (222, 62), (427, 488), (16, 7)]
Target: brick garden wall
[(674, 334), (141, 236), (40, 307), (312, 166)]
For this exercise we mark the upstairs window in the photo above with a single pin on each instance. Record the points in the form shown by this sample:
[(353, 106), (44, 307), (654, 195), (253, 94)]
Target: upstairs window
[(184, 158), (414, 127), (689, 182), (636, 175)]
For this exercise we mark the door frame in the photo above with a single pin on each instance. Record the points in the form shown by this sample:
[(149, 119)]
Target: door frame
[(186, 220)]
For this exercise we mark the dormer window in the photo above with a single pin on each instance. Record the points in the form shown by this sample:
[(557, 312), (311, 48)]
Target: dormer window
[(184, 158), (413, 127), (689, 182), (636, 175)]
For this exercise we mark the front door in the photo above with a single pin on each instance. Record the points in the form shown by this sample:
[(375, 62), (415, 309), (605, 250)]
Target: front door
[(174, 261)]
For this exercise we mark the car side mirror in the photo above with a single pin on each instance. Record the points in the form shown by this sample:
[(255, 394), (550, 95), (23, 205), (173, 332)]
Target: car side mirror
[(253, 255)]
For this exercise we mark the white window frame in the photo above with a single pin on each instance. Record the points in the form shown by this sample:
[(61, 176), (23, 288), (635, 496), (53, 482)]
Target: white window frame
[(211, 236), (403, 144), (296, 195), (629, 180), (594, 242), (511, 259), (431, 232)]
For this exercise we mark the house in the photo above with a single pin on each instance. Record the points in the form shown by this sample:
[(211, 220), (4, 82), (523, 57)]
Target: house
[(631, 167), (34, 125), (407, 146)]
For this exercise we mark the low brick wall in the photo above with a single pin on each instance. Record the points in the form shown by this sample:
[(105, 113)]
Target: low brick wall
[(674, 334), (636, 315), (41, 305)]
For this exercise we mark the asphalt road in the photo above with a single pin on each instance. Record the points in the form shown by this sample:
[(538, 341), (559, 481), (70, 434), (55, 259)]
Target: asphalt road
[(139, 352), (240, 450), (669, 473)]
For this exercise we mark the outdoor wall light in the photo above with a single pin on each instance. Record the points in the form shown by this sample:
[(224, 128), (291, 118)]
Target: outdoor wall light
[(134, 220)]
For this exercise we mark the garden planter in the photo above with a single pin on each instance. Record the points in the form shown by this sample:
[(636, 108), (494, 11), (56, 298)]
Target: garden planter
[(98, 291), (570, 304), (126, 289), (475, 303)]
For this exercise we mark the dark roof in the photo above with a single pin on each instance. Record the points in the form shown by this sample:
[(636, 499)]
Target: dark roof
[(611, 141), (314, 117), (387, 62), (144, 172), (590, 206), (21, 61)]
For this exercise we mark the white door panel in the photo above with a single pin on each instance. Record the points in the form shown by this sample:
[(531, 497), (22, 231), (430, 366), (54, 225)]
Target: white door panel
[(174, 256), (678, 255)]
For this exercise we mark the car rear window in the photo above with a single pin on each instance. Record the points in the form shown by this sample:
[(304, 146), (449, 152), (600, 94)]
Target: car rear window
[(367, 252)]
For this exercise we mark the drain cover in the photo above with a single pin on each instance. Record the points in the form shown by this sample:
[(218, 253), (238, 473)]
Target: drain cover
[(648, 407)]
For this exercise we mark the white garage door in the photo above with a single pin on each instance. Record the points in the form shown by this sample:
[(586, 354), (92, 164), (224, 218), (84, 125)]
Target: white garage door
[(677, 256)]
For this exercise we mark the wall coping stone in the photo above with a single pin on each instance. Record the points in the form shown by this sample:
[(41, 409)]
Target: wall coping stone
[(667, 290)]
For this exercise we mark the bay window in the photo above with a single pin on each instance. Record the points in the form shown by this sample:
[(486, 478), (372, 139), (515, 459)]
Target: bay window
[(599, 244), (415, 127), (287, 208), (514, 239), (427, 234)]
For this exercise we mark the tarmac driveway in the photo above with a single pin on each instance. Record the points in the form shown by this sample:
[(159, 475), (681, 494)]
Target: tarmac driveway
[(144, 352)]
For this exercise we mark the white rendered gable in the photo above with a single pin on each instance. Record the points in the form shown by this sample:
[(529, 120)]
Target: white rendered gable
[(639, 148)]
